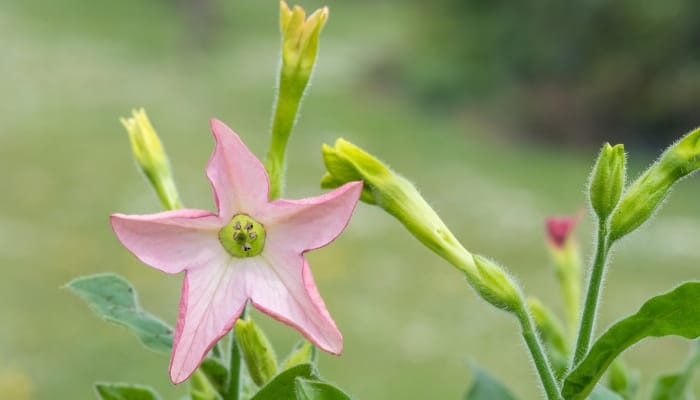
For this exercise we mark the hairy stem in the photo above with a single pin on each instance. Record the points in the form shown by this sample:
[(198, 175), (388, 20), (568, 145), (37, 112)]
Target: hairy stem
[(590, 307), (539, 357), (463, 261)]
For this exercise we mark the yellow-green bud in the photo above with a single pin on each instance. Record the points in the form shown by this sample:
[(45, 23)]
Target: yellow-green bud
[(607, 180), (258, 353), (647, 193), (495, 286), (346, 162), (302, 353), (300, 39), (151, 158)]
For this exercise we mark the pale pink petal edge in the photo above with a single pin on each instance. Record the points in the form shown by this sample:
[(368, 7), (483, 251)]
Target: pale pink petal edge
[(311, 289), (182, 312)]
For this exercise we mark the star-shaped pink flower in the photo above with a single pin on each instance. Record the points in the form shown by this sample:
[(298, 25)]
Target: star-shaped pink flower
[(253, 249)]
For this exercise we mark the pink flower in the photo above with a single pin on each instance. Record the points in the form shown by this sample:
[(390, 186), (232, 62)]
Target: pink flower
[(560, 228), (253, 249)]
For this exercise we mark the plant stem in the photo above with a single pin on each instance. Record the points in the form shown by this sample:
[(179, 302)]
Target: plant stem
[(450, 249), (590, 307), (234, 371), (539, 357), (286, 108)]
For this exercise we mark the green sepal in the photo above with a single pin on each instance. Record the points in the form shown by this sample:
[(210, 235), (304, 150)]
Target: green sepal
[(486, 387), (114, 299), (302, 352), (257, 351), (124, 391), (307, 389), (283, 386), (672, 313)]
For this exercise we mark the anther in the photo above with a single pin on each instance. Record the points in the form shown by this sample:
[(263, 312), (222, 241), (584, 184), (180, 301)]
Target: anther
[(252, 235), (237, 226), (247, 247), (249, 226)]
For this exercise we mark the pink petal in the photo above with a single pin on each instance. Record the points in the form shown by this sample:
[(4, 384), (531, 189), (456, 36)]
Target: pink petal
[(212, 299), (238, 178), (173, 240), (283, 288), (307, 224)]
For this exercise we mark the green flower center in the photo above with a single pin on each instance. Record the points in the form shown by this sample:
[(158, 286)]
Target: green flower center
[(243, 236)]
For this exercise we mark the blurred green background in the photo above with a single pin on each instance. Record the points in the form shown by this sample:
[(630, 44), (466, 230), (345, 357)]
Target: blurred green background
[(495, 110)]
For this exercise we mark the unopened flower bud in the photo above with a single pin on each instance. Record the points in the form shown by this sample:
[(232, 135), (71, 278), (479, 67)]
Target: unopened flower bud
[(607, 180), (566, 257), (495, 286), (151, 158), (647, 193), (346, 162), (302, 353), (300, 40), (258, 353)]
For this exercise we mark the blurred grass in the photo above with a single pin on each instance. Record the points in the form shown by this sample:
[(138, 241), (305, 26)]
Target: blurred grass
[(69, 69)]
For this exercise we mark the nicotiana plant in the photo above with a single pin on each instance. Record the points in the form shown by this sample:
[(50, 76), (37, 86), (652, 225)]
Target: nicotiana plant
[(251, 253)]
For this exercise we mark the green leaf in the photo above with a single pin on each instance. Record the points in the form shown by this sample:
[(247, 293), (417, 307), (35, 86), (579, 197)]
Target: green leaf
[(124, 391), (486, 387), (675, 386), (283, 386), (216, 373), (114, 299), (673, 313), (315, 390)]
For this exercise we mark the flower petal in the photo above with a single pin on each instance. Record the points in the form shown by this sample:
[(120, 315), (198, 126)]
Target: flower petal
[(307, 224), (173, 240), (212, 299), (283, 288), (238, 178)]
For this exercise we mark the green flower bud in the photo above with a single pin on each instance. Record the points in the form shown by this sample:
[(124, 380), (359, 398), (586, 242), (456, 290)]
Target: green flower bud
[(150, 156), (258, 353), (495, 286), (302, 353), (300, 40), (346, 162), (607, 180), (647, 193)]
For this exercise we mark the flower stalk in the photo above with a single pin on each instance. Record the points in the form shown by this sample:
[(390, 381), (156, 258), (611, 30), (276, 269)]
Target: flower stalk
[(300, 37), (346, 162)]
